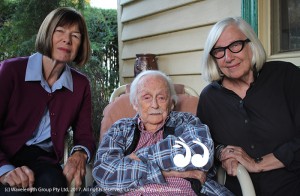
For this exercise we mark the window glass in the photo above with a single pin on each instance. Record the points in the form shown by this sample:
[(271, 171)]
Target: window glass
[(286, 26)]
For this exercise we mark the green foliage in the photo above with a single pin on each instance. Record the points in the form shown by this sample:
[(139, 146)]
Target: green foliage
[(19, 24), (17, 35), (102, 69)]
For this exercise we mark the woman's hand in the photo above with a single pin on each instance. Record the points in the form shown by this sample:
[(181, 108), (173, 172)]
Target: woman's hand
[(75, 168), (230, 165), (232, 155), (21, 177)]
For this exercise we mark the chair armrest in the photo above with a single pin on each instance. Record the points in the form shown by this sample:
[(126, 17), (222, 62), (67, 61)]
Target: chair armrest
[(221, 175), (88, 179), (88, 176), (245, 181), (117, 92), (190, 91), (243, 178)]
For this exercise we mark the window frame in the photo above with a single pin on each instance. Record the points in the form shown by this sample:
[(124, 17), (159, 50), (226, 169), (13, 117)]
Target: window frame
[(258, 14), (264, 30)]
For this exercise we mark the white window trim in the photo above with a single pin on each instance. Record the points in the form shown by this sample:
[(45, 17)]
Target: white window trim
[(264, 34)]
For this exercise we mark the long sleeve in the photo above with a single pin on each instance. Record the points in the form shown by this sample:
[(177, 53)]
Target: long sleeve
[(17, 114), (163, 152), (116, 173), (5, 90), (7, 84), (289, 152), (82, 125)]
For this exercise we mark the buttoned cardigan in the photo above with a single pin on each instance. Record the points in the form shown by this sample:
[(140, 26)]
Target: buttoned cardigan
[(22, 105)]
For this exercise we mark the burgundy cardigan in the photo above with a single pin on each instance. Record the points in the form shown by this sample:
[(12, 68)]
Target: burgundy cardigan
[(22, 105)]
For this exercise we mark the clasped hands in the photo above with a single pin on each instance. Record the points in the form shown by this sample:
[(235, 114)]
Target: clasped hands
[(23, 177), (195, 174), (20, 177), (231, 156)]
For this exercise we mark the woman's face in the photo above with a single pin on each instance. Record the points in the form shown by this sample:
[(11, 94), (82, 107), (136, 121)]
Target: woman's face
[(66, 41), (234, 65)]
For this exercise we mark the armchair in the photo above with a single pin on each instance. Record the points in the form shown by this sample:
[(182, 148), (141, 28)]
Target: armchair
[(119, 107)]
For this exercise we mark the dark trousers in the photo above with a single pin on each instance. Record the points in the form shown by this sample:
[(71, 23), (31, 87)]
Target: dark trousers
[(48, 177)]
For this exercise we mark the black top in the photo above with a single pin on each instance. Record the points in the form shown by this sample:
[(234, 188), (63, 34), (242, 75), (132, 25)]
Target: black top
[(266, 121)]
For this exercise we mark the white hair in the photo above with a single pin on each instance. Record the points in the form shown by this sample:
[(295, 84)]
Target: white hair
[(210, 68), (136, 82)]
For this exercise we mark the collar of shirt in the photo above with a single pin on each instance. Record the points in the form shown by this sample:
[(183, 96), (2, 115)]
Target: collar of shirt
[(34, 72), (141, 126), (218, 83)]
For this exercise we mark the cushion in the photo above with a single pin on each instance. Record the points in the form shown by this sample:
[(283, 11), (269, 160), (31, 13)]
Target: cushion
[(121, 108), (187, 103)]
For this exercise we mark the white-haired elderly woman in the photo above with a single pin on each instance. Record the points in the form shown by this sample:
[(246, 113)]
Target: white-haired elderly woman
[(137, 155), (252, 108)]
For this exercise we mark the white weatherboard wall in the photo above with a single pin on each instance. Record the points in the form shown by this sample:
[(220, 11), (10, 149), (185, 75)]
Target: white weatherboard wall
[(174, 30)]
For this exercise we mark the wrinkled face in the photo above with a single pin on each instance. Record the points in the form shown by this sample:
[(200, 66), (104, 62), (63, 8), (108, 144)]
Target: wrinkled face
[(153, 101), (65, 43), (234, 65)]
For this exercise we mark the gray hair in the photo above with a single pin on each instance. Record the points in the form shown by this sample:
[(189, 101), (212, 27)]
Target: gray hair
[(136, 82), (210, 68)]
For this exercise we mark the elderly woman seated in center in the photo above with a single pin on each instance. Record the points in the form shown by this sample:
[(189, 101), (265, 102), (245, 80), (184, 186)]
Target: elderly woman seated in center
[(159, 151)]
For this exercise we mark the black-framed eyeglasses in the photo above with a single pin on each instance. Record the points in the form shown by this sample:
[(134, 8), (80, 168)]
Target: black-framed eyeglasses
[(234, 47)]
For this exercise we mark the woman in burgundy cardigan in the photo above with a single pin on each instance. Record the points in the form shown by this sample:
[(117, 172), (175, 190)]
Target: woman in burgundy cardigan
[(41, 98)]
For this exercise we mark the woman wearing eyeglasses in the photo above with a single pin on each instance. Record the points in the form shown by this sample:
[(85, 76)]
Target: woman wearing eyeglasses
[(253, 110)]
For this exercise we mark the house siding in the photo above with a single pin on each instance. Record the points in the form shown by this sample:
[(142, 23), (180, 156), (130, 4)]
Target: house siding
[(174, 30)]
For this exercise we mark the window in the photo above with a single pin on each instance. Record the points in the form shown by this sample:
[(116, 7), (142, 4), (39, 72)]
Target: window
[(285, 28)]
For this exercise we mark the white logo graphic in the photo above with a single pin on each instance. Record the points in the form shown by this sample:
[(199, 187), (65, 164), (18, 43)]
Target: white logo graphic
[(197, 159)]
